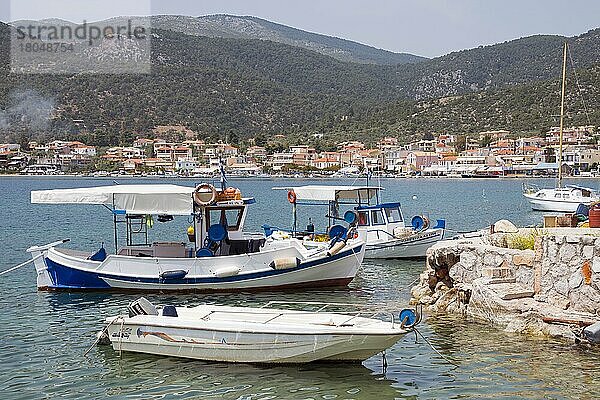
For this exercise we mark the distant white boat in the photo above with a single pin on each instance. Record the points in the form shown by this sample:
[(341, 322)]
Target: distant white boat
[(560, 199), (256, 335)]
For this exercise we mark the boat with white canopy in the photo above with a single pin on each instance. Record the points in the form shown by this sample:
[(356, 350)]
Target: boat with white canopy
[(258, 335), (219, 255), (387, 234)]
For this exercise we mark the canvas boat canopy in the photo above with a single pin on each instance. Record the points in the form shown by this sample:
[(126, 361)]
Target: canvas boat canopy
[(334, 193), (132, 199)]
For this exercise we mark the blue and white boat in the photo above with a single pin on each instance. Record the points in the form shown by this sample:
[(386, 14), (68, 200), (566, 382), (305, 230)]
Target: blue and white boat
[(218, 257), (387, 234)]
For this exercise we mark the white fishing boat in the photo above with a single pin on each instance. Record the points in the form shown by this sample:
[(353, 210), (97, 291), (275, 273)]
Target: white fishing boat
[(219, 255), (388, 236), (257, 335), (560, 199)]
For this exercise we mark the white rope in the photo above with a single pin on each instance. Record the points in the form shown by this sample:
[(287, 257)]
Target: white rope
[(100, 335), (436, 350), (121, 338), (21, 265)]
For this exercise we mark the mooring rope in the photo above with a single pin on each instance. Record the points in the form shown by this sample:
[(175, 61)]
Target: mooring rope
[(436, 350), (21, 265), (100, 335)]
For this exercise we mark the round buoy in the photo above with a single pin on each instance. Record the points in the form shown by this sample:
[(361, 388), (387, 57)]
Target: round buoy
[(205, 194), (291, 196), (415, 197), (408, 318)]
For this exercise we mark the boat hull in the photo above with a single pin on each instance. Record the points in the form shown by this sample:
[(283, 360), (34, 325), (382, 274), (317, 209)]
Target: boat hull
[(251, 348), (550, 205), (251, 335), (59, 271), (414, 246)]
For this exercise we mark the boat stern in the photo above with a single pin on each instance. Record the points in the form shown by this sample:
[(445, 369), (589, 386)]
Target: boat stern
[(38, 255), (39, 262)]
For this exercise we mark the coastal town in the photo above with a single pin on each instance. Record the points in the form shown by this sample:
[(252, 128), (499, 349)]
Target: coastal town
[(486, 154)]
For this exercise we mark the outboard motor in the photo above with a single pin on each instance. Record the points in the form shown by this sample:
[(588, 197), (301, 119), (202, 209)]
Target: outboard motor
[(141, 306)]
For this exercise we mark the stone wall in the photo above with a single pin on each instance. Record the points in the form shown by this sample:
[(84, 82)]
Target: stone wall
[(568, 275), (532, 291)]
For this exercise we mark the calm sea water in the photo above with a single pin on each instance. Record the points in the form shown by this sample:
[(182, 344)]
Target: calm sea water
[(44, 335)]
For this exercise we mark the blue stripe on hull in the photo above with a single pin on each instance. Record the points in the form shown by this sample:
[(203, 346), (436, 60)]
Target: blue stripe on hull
[(64, 277), (72, 278)]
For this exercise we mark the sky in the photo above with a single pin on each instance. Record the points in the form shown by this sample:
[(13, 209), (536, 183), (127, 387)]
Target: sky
[(429, 28)]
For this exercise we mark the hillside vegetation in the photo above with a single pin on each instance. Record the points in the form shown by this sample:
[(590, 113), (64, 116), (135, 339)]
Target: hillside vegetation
[(238, 88)]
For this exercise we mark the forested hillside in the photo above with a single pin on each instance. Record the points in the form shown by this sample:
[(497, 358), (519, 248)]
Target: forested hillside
[(240, 88)]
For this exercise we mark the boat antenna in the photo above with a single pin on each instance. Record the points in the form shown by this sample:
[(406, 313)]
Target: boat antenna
[(222, 171), (562, 114)]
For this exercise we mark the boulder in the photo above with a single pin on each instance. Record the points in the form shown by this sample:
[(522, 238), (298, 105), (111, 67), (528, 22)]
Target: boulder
[(418, 292), (505, 226), (596, 265)]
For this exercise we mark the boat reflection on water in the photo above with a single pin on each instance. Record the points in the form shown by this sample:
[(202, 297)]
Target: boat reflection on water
[(146, 375)]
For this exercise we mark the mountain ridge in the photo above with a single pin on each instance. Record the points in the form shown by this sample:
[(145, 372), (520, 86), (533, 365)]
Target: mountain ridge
[(251, 27)]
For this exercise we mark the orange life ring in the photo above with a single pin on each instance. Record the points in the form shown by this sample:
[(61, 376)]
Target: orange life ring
[(200, 194), (292, 196)]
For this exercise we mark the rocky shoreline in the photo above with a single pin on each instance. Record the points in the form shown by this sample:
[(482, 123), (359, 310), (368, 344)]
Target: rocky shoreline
[(542, 282)]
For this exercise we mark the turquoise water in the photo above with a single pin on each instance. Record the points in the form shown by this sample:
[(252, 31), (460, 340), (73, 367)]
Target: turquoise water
[(44, 335)]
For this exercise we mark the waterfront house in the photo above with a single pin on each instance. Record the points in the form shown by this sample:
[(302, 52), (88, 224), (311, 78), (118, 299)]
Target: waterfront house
[(419, 160)]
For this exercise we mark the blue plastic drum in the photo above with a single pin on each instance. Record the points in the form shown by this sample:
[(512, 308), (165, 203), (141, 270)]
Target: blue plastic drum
[(420, 223), (217, 232), (338, 231), (350, 217), (201, 253)]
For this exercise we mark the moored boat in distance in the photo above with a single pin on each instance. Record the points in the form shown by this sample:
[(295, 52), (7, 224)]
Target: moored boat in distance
[(560, 199), (220, 256), (257, 335)]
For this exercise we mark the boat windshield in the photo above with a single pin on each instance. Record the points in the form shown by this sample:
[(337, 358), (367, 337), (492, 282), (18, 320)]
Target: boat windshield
[(377, 217), (363, 218), (393, 215), (231, 217)]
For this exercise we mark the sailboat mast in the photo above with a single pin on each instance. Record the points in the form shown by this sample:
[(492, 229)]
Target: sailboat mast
[(562, 115)]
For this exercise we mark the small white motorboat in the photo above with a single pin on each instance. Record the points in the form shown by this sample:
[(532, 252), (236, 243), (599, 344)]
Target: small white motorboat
[(560, 199), (256, 335), (388, 236), (219, 255)]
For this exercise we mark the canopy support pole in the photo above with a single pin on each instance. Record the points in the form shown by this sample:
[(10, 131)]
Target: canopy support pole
[(115, 226), (295, 212)]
